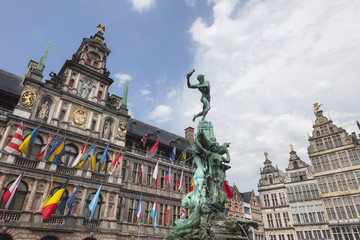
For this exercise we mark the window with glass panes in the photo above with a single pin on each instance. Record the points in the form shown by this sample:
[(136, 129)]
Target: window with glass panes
[(325, 163), (354, 158), (316, 164), (270, 220), (319, 144), (135, 178), (187, 184), (124, 176), (18, 200), (133, 203), (176, 213), (176, 177), (96, 214), (149, 179), (328, 143), (330, 210), (357, 203), (332, 184), (161, 213), (278, 220), (162, 175), (148, 205), (290, 237), (36, 148), (323, 185), (119, 207), (350, 177), (274, 199), (286, 219), (266, 200), (333, 157), (340, 209), (282, 198), (344, 159), (324, 130)]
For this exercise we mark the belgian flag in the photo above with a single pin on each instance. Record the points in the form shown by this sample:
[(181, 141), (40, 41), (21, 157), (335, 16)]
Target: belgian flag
[(50, 205)]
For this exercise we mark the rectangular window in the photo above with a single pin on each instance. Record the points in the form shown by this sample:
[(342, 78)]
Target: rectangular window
[(161, 214), (93, 124), (337, 140), (354, 158), (176, 213), (135, 173), (323, 185), (286, 219), (274, 199), (316, 164), (149, 179), (332, 184), (324, 130), (118, 210), (328, 143), (132, 210), (319, 144), (290, 237), (357, 203), (147, 211), (325, 163), (162, 179), (330, 209), (270, 220), (344, 159), (339, 207), (266, 200), (350, 177), (282, 198), (335, 164)]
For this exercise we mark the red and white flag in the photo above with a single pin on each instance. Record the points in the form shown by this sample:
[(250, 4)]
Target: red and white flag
[(79, 156), (115, 163), (227, 190), (141, 172), (143, 140), (153, 150), (155, 174), (41, 153), (10, 193), (167, 214), (180, 180), (16, 141)]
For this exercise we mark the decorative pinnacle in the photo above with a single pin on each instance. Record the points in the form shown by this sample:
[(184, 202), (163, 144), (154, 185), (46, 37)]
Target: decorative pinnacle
[(342, 126), (125, 95), (40, 65), (101, 28), (316, 107), (291, 147), (329, 116), (266, 155)]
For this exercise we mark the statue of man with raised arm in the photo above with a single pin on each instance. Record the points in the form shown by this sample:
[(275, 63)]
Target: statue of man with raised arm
[(204, 88)]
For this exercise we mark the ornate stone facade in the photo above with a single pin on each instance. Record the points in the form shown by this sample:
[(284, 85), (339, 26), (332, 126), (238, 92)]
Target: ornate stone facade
[(78, 105)]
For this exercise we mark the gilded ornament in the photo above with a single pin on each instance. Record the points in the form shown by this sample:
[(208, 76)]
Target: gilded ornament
[(28, 97), (122, 129), (316, 107), (79, 116)]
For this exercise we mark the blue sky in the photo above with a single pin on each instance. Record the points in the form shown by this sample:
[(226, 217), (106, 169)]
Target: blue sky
[(267, 61)]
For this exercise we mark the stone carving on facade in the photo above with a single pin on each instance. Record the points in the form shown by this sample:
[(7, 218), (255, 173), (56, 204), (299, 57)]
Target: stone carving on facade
[(79, 116), (44, 111), (27, 97), (107, 130), (56, 80), (86, 89), (122, 129)]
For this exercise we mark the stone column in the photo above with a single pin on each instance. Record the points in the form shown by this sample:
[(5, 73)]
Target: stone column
[(77, 82), (68, 113), (82, 203), (120, 164), (96, 91), (107, 198), (58, 110), (6, 134), (68, 77), (115, 205), (2, 181), (90, 119), (46, 191), (32, 195)]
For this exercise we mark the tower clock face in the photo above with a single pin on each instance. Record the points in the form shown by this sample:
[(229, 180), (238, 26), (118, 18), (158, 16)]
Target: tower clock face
[(27, 98), (79, 116)]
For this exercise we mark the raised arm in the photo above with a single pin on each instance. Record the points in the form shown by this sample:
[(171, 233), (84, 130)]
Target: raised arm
[(188, 79)]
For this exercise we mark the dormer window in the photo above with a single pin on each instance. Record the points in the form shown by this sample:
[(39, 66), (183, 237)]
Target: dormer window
[(95, 64), (99, 94), (71, 83), (88, 61)]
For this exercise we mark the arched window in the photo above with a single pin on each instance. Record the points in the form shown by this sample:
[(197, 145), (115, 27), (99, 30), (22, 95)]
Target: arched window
[(70, 154), (270, 180), (97, 208), (34, 150), (98, 164), (71, 83), (19, 198), (99, 94), (59, 210), (49, 238), (5, 236)]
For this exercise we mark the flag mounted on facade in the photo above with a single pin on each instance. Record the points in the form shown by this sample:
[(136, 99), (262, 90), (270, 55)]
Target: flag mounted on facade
[(51, 204), (173, 153), (183, 157), (167, 214), (29, 141), (103, 158), (16, 141), (115, 163), (48, 156), (182, 216), (180, 180), (141, 172), (143, 140), (85, 157), (192, 183), (93, 159), (227, 190), (155, 174), (10, 193), (167, 179), (80, 155), (93, 203), (71, 201), (153, 150), (58, 151), (42, 152), (138, 211), (153, 213)]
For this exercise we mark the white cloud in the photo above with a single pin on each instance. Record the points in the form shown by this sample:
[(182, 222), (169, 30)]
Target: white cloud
[(122, 78), (145, 92), (191, 3), (171, 94), (161, 114), (142, 5), (267, 63)]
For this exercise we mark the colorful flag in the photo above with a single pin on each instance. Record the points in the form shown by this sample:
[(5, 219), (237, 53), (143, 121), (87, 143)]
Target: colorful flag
[(167, 178), (16, 141), (141, 172), (29, 141), (153, 213), (180, 180), (167, 214), (58, 152), (227, 190), (48, 156), (143, 140), (183, 157), (192, 183), (173, 153), (71, 201), (155, 174), (153, 150), (84, 158), (48, 196), (93, 203), (138, 211), (42, 152), (79, 156), (93, 160), (10, 193), (51, 204), (115, 163), (182, 216), (103, 157)]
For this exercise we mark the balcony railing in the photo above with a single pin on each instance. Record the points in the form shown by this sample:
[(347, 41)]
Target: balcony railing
[(93, 224), (55, 220), (12, 216), (99, 177), (26, 162), (66, 170)]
